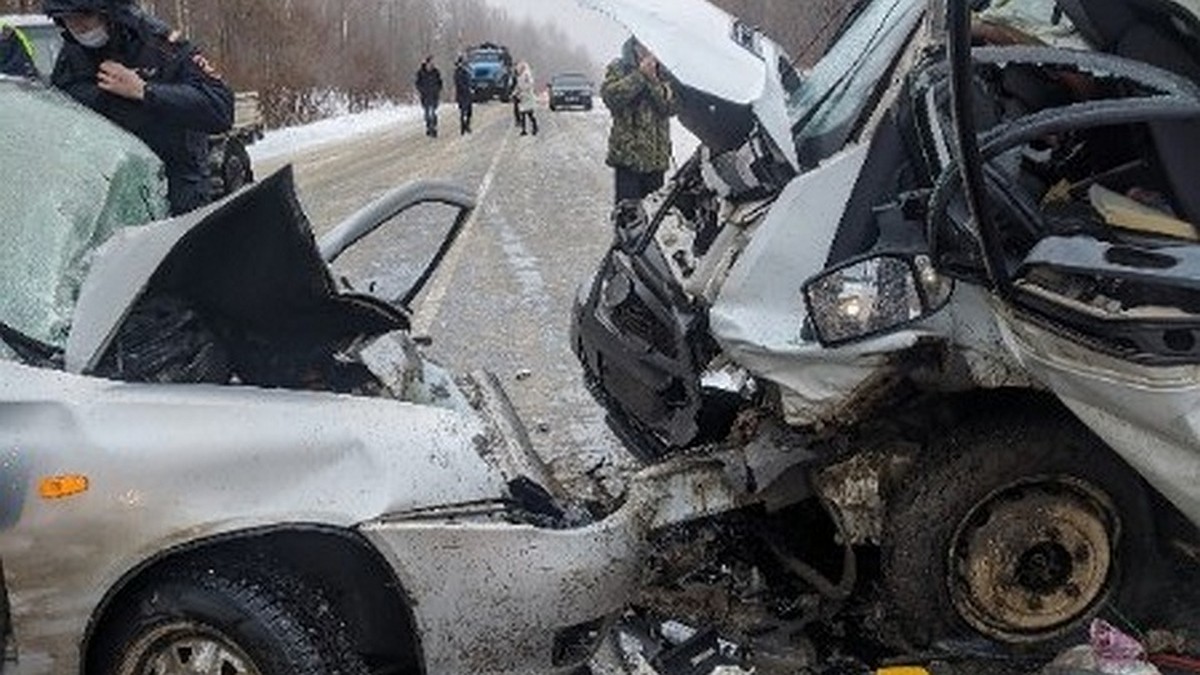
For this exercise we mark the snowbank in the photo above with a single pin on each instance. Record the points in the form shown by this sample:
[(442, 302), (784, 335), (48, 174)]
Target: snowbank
[(291, 140)]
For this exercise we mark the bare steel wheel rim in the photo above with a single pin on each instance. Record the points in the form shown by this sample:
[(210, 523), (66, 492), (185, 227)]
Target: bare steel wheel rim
[(186, 648), (1033, 559)]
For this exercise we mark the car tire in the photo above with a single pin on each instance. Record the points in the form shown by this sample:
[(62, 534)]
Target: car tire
[(587, 106), (244, 619), (236, 170), (1017, 528)]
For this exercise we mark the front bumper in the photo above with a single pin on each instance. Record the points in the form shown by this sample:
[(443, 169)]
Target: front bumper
[(634, 336), (571, 99), (492, 597)]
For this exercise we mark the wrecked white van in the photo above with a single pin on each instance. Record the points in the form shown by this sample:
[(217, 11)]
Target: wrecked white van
[(985, 383)]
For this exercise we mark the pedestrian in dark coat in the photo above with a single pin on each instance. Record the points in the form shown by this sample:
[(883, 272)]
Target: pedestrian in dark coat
[(135, 71), (429, 87), (464, 95), (16, 54)]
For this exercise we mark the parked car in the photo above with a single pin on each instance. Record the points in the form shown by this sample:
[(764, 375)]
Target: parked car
[(214, 458), (229, 164), (571, 90), (986, 384)]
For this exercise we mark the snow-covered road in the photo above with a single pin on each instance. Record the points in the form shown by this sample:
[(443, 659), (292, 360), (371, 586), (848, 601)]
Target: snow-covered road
[(502, 300)]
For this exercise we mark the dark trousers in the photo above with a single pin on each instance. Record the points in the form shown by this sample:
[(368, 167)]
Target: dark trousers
[(635, 184), (527, 118), (465, 112), (431, 118)]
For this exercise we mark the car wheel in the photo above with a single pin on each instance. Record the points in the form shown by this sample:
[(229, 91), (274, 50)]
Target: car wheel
[(232, 620), (1018, 529), (235, 172)]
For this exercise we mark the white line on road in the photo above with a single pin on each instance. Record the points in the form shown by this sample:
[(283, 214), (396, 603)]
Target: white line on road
[(431, 303)]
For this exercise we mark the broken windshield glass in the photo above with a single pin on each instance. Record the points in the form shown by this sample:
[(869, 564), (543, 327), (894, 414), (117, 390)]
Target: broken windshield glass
[(80, 178), (825, 111)]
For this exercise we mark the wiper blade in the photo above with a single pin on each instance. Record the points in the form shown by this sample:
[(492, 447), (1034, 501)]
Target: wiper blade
[(31, 352)]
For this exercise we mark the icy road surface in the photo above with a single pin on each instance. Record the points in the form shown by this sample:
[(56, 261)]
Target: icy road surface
[(502, 298)]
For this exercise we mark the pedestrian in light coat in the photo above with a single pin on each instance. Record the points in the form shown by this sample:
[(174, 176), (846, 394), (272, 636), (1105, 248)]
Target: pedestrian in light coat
[(526, 99)]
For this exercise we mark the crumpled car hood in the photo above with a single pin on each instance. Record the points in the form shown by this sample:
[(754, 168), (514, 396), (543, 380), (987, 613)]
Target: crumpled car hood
[(707, 51), (253, 257)]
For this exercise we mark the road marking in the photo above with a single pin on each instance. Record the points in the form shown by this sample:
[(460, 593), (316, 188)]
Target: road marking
[(431, 303)]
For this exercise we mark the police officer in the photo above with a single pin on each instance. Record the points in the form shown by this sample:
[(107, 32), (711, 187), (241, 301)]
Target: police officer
[(16, 54), (132, 69)]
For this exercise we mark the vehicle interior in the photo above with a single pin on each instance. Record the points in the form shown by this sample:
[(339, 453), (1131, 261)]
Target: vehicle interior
[(1090, 178)]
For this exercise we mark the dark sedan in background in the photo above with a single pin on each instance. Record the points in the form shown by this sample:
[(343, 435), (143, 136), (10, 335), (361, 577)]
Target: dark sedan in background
[(571, 90)]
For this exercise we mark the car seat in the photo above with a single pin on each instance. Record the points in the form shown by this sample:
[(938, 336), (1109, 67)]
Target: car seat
[(1166, 35)]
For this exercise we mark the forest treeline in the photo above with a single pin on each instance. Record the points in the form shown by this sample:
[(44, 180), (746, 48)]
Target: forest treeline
[(310, 58), (804, 27)]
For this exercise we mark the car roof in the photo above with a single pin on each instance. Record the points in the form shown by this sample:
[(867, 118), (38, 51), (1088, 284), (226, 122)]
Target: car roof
[(26, 20)]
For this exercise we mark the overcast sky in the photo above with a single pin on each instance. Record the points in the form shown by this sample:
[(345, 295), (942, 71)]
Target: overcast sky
[(599, 35)]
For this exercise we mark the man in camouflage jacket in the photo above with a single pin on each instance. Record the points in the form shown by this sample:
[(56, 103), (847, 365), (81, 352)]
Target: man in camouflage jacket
[(641, 102)]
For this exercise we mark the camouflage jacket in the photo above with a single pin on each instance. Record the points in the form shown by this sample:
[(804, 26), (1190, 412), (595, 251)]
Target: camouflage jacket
[(641, 110)]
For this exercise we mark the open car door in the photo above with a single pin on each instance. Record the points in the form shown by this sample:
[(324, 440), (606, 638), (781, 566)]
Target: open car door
[(1094, 260)]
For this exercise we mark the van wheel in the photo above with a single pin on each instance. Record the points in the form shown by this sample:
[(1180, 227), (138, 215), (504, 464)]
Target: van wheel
[(1018, 529), (229, 620)]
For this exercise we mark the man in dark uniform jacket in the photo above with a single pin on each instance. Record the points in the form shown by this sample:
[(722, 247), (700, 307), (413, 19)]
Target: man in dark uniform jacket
[(132, 69)]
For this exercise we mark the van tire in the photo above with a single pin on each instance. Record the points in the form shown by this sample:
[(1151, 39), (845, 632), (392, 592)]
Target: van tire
[(1018, 528)]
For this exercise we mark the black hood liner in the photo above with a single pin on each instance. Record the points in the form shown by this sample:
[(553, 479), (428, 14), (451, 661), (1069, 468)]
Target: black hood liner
[(719, 124), (253, 264)]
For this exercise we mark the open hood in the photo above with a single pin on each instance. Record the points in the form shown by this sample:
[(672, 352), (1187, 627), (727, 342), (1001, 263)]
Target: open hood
[(251, 259), (729, 73)]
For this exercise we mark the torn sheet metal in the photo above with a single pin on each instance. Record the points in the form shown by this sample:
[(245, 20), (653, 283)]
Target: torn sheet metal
[(1150, 416), (712, 52)]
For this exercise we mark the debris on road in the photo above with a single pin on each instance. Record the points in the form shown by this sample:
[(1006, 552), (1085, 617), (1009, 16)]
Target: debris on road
[(1109, 652)]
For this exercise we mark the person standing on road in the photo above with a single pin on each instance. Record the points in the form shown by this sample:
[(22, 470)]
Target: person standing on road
[(642, 103), (526, 99), (131, 68), (429, 88), (16, 53), (464, 95)]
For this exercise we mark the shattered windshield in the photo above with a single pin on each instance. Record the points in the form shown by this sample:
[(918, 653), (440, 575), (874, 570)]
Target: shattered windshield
[(80, 179), (827, 108), (569, 81), (485, 57)]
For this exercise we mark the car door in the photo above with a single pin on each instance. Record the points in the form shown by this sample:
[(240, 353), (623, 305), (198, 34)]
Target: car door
[(1093, 264)]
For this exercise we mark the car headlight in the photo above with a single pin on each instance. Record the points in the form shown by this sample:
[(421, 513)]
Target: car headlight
[(873, 295)]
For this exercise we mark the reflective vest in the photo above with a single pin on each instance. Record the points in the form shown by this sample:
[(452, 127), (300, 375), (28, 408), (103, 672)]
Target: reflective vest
[(24, 41)]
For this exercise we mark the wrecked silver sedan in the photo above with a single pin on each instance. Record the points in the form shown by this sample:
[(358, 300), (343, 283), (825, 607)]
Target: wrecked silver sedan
[(215, 459), (988, 386)]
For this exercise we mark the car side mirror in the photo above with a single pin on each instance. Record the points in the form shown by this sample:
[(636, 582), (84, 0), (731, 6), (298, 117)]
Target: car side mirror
[(873, 295)]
